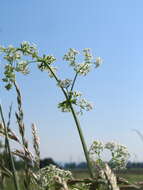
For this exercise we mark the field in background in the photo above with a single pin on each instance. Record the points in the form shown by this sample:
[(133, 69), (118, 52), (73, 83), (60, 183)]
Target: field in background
[(132, 175)]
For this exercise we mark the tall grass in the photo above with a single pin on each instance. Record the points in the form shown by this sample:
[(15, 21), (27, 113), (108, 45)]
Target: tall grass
[(7, 144)]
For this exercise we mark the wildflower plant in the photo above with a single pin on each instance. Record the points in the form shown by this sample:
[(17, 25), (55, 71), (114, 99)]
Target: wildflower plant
[(119, 154), (47, 177), (19, 59), (103, 170)]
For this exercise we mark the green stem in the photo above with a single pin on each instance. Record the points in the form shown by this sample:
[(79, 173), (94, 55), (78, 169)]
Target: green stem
[(75, 77), (74, 81), (77, 125), (9, 151), (82, 140)]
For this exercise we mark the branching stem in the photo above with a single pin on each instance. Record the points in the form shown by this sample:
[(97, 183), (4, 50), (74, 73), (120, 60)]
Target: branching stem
[(76, 122)]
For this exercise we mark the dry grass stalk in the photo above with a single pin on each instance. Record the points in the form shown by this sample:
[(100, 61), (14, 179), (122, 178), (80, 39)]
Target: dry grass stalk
[(5, 171), (21, 154), (111, 178), (7, 146), (20, 114), (60, 184), (36, 143), (11, 134), (26, 155)]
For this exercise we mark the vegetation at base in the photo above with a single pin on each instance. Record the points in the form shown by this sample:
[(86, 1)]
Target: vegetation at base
[(78, 174), (46, 174)]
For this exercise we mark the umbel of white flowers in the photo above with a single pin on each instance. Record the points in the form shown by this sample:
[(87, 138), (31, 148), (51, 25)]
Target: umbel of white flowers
[(119, 153), (19, 60)]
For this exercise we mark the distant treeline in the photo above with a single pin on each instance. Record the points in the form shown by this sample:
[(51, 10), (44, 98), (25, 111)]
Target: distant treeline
[(82, 165), (19, 164), (134, 165), (70, 165)]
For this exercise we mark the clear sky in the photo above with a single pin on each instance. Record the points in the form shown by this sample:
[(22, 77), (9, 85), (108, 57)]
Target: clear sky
[(114, 31)]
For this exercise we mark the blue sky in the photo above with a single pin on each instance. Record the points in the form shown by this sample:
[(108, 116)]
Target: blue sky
[(113, 30)]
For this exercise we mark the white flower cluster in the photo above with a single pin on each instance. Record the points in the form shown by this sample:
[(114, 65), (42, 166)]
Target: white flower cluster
[(71, 56), (110, 145), (87, 54), (84, 105), (98, 61), (96, 148), (75, 99), (119, 153), (12, 54), (46, 176), (84, 67), (45, 64), (29, 49), (22, 66), (65, 83), (16, 61)]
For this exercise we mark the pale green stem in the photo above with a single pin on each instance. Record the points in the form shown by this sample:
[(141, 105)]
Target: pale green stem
[(75, 77), (74, 81), (77, 125), (82, 140), (9, 151)]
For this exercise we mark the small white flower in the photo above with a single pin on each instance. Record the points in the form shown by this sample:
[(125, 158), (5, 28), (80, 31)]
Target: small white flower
[(87, 54), (65, 83), (46, 176), (84, 104), (71, 56), (82, 68), (110, 145), (98, 61), (74, 51)]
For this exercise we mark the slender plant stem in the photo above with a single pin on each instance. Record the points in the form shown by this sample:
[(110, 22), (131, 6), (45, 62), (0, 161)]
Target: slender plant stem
[(8, 124), (77, 125), (74, 81), (9, 151), (82, 140), (75, 77)]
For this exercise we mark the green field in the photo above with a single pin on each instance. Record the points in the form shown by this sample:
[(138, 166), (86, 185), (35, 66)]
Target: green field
[(134, 175)]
